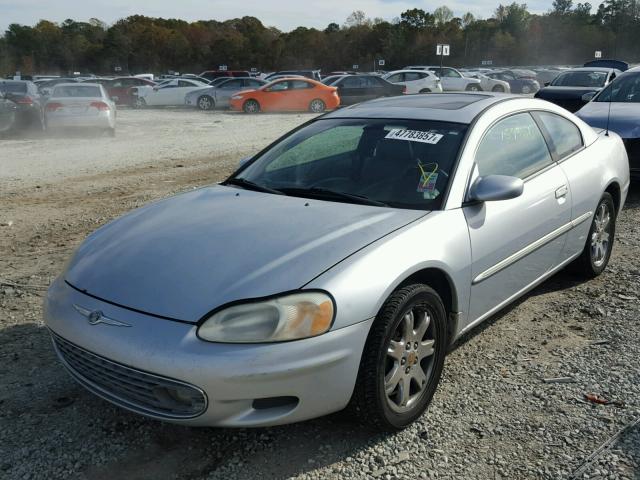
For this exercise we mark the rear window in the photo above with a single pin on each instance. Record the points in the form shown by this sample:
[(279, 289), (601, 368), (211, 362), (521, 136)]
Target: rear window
[(77, 91), (11, 87)]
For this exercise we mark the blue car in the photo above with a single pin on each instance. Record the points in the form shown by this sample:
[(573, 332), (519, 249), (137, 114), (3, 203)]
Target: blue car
[(623, 96)]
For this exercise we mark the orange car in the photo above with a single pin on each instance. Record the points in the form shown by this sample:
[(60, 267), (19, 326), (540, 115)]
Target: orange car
[(287, 94)]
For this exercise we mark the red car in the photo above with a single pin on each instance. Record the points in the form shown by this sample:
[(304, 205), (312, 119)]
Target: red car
[(119, 89)]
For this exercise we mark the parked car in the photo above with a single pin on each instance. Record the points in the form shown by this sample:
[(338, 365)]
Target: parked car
[(170, 93), (415, 81), (517, 84), (27, 99), (312, 74), (568, 88), (193, 76), (452, 80), (45, 86), (213, 74), (359, 88), (617, 107), (80, 105), (545, 76), (218, 96), (608, 63), (293, 94), (120, 89), (490, 84), (8, 115), (336, 267)]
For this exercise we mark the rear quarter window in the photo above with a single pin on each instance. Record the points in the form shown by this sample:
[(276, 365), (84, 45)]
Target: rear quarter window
[(565, 135)]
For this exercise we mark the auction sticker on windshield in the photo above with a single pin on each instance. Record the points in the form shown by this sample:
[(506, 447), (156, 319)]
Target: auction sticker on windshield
[(414, 136)]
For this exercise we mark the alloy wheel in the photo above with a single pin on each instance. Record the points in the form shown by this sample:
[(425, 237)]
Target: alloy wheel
[(317, 106), (600, 238), (204, 103), (526, 89), (409, 360)]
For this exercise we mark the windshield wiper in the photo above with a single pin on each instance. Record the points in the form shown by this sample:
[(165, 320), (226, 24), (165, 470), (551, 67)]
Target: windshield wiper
[(325, 193), (249, 185)]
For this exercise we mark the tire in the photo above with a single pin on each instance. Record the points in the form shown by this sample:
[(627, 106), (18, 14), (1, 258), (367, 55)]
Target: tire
[(498, 88), (425, 90), (473, 88), (597, 250), (317, 106), (205, 102), (251, 106), (526, 89), (380, 370), (139, 103)]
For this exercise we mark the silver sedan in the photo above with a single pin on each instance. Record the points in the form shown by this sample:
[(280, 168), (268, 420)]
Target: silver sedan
[(334, 268), (218, 96)]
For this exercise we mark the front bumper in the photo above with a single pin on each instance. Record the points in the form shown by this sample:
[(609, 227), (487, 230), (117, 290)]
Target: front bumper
[(244, 385)]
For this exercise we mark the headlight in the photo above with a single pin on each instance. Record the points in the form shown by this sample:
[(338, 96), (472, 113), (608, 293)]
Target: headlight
[(290, 317), (236, 97)]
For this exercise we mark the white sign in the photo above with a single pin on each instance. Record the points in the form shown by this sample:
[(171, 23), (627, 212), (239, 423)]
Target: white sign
[(222, 68), (355, 66), (381, 63), (414, 136), (487, 62), (598, 54), (254, 69), (118, 69), (442, 49)]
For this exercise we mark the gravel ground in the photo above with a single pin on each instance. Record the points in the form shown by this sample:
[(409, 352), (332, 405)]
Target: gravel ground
[(493, 416)]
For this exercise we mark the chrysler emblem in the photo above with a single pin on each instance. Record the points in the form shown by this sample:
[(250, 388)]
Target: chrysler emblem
[(94, 317)]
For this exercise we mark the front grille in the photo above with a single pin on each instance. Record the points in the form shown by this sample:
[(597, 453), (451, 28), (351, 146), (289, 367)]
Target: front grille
[(133, 389)]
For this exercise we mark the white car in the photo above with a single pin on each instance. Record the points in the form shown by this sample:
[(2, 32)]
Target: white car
[(490, 84), (169, 93), (85, 105), (415, 81), (452, 80)]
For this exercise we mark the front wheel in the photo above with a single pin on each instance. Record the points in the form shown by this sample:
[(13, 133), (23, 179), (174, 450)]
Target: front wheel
[(526, 89), (425, 90), (205, 102), (251, 106), (597, 251), (473, 88), (317, 106), (498, 88), (402, 359), (139, 103)]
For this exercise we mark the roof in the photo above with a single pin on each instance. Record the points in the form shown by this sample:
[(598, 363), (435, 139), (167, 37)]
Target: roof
[(453, 107)]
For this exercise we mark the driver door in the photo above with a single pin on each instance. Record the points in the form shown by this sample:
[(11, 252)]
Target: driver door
[(515, 242)]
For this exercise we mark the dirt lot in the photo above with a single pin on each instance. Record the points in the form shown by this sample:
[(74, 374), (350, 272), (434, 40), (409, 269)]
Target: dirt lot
[(492, 417)]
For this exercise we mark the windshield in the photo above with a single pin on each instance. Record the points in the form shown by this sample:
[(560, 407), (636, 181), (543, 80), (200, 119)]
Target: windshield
[(625, 89), (10, 87), (580, 79), (397, 163)]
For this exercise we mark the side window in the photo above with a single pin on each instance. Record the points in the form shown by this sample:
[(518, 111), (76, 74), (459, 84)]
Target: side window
[(372, 82), (352, 82), (254, 83), (232, 85), (448, 72), (565, 136), (515, 147), (300, 84), (278, 87), (182, 83), (395, 78), (411, 76)]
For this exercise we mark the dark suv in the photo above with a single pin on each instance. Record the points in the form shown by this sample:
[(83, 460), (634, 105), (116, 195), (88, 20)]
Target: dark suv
[(27, 99)]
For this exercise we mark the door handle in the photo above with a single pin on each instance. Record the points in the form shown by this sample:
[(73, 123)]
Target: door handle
[(562, 191)]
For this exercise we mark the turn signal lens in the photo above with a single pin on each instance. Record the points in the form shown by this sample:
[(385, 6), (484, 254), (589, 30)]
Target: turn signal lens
[(290, 317)]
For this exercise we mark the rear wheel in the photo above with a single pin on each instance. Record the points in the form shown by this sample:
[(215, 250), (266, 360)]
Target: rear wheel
[(402, 359), (425, 90), (498, 88), (317, 106), (473, 88), (597, 250), (205, 102), (251, 106), (526, 89)]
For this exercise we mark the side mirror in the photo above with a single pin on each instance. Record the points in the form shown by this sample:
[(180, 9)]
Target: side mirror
[(494, 188), (587, 97), (546, 84)]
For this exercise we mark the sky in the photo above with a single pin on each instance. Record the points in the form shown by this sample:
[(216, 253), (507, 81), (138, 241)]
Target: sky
[(283, 14)]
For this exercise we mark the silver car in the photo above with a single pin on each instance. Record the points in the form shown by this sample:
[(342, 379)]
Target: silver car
[(218, 96), (80, 105), (335, 267)]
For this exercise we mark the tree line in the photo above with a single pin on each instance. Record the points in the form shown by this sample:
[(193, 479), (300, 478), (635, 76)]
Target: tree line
[(567, 34)]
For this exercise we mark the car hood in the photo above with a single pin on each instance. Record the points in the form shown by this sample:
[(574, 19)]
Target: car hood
[(623, 121), (181, 257)]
